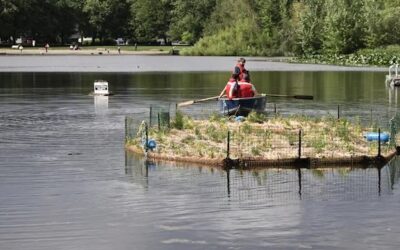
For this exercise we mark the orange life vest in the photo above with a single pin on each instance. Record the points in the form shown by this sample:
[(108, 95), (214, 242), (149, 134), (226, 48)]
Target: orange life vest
[(244, 89), (242, 73), (231, 90)]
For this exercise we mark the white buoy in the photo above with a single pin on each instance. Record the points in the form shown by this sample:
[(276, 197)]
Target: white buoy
[(101, 88)]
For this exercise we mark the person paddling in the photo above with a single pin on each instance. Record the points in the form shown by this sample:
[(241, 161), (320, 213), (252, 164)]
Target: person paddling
[(238, 89), (240, 72)]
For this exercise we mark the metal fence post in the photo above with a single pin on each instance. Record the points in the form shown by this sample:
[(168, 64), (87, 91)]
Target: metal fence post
[(379, 142), (147, 137), (150, 114), (299, 143), (228, 144), (371, 118), (159, 122), (126, 129)]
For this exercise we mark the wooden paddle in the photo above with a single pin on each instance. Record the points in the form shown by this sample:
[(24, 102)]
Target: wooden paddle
[(305, 97), (187, 103)]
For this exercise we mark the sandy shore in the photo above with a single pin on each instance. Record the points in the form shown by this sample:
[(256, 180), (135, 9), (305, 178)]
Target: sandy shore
[(143, 61)]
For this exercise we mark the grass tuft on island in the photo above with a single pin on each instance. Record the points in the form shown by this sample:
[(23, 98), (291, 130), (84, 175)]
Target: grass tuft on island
[(260, 137)]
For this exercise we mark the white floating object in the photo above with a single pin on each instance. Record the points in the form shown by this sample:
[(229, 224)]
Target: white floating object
[(101, 88)]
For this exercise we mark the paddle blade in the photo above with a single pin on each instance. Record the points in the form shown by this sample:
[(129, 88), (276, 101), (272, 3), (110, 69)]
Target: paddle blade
[(305, 97), (187, 103)]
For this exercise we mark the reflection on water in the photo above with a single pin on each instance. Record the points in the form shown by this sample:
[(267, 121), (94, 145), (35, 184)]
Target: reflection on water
[(100, 104), (278, 185)]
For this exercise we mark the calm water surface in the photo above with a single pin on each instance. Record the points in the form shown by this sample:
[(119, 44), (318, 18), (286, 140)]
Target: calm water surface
[(67, 183)]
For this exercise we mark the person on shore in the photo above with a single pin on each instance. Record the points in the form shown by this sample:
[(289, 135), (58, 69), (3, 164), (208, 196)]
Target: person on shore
[(46, 47), (240, 72)]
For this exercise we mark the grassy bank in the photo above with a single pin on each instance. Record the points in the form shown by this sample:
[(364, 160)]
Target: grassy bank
[(97, 50), (365, 57)]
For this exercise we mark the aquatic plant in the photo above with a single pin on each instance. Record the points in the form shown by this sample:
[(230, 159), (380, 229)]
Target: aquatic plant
[(343, 129), (318, 143), (255, 151), (178, 122), (246, 128), (216, 117), (256, 117), (189, 139)]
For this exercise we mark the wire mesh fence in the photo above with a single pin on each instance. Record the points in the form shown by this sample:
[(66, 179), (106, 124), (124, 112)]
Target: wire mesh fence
[(256, 186), (323, 132)]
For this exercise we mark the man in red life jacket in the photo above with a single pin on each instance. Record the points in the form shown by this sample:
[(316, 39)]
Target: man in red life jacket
[(239, 72), (238, 89)]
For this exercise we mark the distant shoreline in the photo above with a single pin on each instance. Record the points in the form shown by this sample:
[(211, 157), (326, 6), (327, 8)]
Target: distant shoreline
[(150, 61), (92, 51)]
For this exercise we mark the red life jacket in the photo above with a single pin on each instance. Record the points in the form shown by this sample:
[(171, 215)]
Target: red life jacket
[(246, 89), (229, 89), (242, 73)]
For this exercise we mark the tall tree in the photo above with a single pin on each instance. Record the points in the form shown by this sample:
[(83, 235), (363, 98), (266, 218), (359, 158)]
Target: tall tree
[(8, 9), (390, 18), (232, 30), (344, 26), (276, 20), (117, 24), (376, 34), (312, 26), (67, 14), (189, 18), (151, 19), (99, 12)]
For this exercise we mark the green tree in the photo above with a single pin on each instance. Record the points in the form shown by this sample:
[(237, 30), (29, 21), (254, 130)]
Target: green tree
[(278, 20), (390, 18), (151, 19), (99, 12), (232, 30), (7, 12), (312, 26), (66, 18), (344, 26), (117, 24), (188, 19), (376, 34)]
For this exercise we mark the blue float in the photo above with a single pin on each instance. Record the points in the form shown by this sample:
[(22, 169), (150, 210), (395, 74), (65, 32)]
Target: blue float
[(151, 144), (373, 136), (240, 118)]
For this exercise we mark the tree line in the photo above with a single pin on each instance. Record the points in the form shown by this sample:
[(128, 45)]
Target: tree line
[(215, 27)]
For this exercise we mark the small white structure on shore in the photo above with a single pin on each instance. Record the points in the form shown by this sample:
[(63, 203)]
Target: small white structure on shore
[(393, 78), (101, 88)]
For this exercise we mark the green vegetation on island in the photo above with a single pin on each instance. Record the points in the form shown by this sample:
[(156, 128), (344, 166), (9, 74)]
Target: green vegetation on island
[(259, 137)]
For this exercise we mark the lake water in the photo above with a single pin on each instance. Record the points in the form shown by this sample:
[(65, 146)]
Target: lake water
[(67, 183)]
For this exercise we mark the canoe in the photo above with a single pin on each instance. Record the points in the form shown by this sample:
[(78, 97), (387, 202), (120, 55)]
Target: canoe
[(242, 106)]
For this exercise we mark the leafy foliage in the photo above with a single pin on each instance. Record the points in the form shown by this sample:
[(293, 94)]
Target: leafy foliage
[(331, 28)]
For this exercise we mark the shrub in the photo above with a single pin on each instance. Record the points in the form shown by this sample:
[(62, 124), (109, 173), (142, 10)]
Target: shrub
[(178, 122)]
